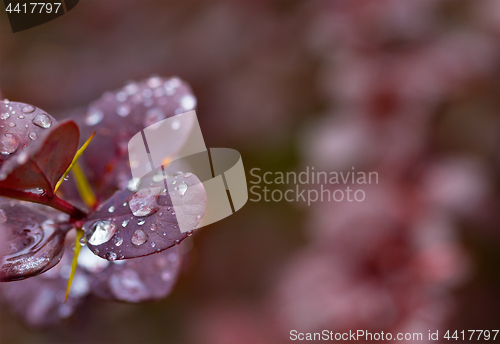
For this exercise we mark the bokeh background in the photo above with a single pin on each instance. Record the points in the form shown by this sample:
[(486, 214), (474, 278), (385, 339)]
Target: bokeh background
[(407, 88)]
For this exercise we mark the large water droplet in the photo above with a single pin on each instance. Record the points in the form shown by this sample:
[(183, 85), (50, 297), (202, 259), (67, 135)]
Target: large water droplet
[(103, 231), (10, 143), (42, 121), (4, 115), (28, 109), (188, 102), (182, 188), (111, 256), (144, 202), (94, 116), (139, 237), (22, 158)]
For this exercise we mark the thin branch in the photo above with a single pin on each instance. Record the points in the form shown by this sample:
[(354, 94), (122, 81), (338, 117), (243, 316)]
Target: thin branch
[(54, 202)]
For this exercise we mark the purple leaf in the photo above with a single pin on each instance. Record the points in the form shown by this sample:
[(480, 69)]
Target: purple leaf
[(40, 300), (134, 224), (117, 116), (41, 163), (32, 241), (137, 280)]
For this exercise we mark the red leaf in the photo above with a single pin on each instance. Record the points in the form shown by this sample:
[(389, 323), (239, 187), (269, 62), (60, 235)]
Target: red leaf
[(43, 162)]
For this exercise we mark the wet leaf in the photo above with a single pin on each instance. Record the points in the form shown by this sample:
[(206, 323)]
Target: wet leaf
[(119, 115), (39, 301), (149, 220), (42, 163), (141, 279), (32, 241)]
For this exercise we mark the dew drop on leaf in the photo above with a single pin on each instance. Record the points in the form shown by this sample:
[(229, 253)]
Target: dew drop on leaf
[(28, 109), (111, 256), (102, 232), (144, 202), (42, 121), (139, 237), (10, 143)]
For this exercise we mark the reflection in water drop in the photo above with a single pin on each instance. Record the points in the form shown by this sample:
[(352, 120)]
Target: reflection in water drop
[(42, 121), (139, 237), (103, 231)]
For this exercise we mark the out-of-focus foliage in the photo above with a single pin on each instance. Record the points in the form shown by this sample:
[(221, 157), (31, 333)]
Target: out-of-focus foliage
[(408, 89)]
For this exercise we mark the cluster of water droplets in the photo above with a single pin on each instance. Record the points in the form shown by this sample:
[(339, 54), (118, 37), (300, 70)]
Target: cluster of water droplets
[(153, 100), (16, 119)]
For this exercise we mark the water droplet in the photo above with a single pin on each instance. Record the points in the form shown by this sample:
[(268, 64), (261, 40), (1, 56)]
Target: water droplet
[(28, 109), (133, 184), (174, 182), (12, 124), (6, 101), (189, 233), (83, 241), (10, 143), (94, 116), (22, 158), (166, 276), (3, 216), (111, 256), (32, 135), (5, 115), (139, 237), (121, 97), (144, 202), (182, 188), (187, 175), (153, 244), (131, 89), (118, 241), (154, 82), (175, 125), (123, 110), (102, 232), (141, 222), (177, 242), (188, 102), (111, 209), (42, 121), (20, 117), (198, 218), (124, 223), (124, 204)]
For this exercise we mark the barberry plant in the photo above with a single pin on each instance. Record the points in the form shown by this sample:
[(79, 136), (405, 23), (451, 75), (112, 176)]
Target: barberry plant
[(124, 233)]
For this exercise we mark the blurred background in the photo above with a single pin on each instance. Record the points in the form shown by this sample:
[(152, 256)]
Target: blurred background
[(407, 88)]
